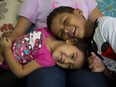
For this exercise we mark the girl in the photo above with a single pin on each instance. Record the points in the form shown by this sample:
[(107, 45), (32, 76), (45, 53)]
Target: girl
[(40, 49)]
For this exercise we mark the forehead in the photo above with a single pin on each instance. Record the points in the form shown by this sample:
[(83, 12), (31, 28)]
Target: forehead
[(68, 47), (60, 16), (57, 22)]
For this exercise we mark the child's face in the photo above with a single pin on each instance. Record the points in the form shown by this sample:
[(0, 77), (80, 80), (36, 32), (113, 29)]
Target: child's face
[(68, 26), (68, 56)]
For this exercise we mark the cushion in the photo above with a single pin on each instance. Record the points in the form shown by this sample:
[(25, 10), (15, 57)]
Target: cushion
[(8, 14)]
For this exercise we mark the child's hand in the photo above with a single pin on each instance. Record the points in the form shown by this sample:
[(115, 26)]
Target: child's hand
[(5, 43), (95, 63)]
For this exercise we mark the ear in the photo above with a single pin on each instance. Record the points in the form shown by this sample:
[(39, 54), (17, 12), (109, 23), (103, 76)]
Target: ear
[(78, 11), (68, 41)]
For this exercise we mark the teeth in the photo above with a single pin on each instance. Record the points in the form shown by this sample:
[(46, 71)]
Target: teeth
[(59, 58), (75, 55), (73, 31)]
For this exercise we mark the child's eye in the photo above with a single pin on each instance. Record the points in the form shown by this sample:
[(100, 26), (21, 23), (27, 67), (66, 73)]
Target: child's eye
[(65, 21), (62, 33), (74, 56)]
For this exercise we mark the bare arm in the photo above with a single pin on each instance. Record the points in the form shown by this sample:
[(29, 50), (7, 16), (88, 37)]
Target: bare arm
[(21, 28), (95, 14), (18, 69)]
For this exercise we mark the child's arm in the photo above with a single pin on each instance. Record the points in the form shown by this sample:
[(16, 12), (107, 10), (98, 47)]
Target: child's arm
[(21, 28), (96, 13), (97, 65), (18, 69)]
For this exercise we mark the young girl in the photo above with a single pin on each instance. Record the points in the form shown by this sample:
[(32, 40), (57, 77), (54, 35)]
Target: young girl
[(40, 49), (67, 23)]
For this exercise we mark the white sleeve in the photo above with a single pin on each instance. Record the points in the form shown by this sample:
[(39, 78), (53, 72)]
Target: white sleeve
[(109, 32)]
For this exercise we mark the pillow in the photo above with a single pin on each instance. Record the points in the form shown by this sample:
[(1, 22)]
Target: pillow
[(8, 15), (108, 7)]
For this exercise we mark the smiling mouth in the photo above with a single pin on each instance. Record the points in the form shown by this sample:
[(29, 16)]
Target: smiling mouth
[(73, 32), (60, 59)]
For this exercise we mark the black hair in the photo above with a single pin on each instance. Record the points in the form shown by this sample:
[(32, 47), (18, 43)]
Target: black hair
[(84, 47), (55, 12)]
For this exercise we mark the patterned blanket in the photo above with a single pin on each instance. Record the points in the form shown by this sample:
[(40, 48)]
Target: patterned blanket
[(108, 7)]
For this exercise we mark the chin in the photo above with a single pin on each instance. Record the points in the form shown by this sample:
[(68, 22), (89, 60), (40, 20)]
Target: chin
[(80, 66)]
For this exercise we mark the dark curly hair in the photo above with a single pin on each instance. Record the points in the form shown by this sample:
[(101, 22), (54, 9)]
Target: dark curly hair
[(84, 47), (55, 12)]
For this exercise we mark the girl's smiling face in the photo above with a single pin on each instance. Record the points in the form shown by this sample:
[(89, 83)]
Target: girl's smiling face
[(68, 56), (69, 25)]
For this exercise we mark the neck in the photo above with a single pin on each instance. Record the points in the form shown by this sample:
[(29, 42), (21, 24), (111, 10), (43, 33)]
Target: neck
[(89, 29), (50, 42), (53, 43), (56, 44)]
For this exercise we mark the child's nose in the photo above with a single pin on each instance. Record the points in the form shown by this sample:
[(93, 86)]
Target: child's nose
[(67, 60), (66, 29)]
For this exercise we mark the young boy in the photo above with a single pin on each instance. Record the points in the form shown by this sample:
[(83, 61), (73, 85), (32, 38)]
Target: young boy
[(67, 23)]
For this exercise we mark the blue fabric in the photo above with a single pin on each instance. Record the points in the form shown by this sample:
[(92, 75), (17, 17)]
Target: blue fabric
[(85, 78), (58, 77), (108, 7), (47, 77)]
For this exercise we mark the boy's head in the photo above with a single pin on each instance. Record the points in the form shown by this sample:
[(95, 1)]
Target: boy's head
[(71, 56), (66, 23)]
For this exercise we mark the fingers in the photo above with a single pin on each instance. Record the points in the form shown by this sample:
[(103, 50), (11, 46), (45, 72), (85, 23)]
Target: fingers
[(93, 68), (92, 57), (5, 41), (92, 62), (95, 63), (8, 40)]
